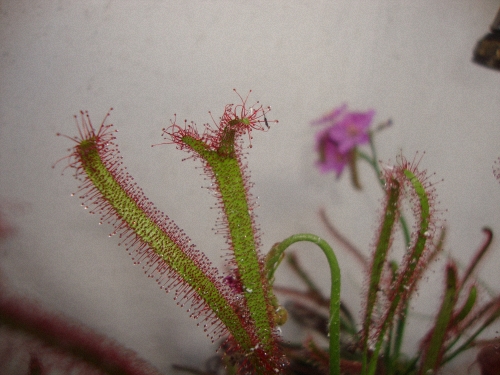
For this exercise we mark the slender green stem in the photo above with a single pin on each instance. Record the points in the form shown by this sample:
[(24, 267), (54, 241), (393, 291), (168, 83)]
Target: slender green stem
[(396, 333), (462, 314), (379, 259), (433, 354), (334, 322), (400, 328), (374, 156)]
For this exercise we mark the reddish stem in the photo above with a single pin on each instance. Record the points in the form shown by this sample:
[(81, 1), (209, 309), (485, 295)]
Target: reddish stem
[(72, 339)]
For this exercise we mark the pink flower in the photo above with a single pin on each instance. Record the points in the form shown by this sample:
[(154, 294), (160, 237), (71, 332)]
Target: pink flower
[(344, 131), (330, 158)]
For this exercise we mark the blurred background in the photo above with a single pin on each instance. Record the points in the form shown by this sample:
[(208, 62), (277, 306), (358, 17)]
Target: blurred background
[(151, 59)]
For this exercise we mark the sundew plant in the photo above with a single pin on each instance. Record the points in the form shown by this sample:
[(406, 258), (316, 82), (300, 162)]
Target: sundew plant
[(238, 307)]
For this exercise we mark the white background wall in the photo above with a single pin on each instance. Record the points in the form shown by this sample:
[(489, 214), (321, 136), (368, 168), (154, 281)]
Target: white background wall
[(410, 60)]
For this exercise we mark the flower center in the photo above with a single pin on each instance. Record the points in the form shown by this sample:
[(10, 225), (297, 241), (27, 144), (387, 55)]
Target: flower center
[(352, 130)]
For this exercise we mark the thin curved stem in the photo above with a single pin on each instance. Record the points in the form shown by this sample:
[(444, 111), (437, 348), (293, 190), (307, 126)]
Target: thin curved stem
[(334, 321)]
